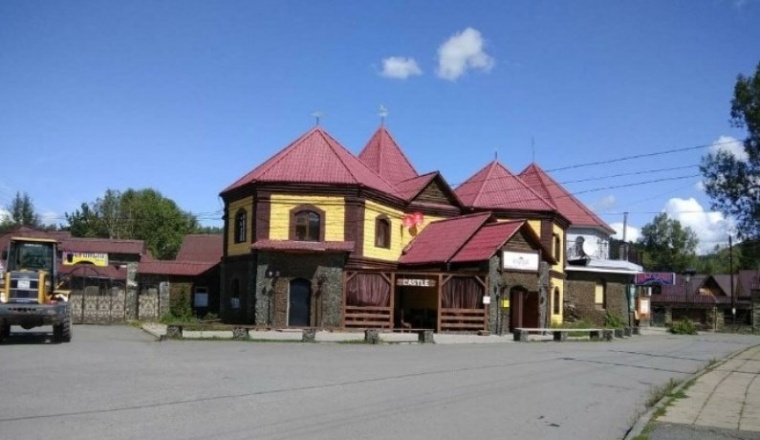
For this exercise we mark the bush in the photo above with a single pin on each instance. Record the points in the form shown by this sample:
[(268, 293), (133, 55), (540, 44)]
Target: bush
[(180, 307), (612, 320), (685, 327)]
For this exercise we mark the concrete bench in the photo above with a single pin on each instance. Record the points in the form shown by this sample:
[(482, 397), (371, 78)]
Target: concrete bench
[(374, 336), (560, 334)]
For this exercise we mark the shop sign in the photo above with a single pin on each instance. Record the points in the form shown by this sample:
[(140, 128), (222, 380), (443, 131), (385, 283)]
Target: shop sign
[(94, 258), (644, 306), (655, 278), (520, 261), (415, 282)]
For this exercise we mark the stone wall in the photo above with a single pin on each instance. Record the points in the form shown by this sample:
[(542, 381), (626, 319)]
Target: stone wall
[(325, 271), (500, 283), (579, 301), (241, 272)]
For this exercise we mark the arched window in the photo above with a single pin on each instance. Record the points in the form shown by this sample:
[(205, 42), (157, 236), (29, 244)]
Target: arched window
[(240, 226), (383, 232), (558, 248), (307, 223), (557, 303)]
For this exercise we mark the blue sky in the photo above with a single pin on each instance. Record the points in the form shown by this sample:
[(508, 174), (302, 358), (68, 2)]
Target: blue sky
[(187, 96)]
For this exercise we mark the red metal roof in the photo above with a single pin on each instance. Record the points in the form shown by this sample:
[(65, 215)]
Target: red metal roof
[(305, 246), (175, 268), (201, 247), (487, 241), (383, 155), (25, 231), (495, 187), (103, 245), (410, 188), (91, 271), (316, 157), (441, 240), (567, 205)]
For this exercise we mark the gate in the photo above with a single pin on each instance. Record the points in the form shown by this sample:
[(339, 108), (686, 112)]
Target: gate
[(95, 298)]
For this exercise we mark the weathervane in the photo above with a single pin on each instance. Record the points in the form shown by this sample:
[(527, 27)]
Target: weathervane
[(317, 114), (383, 114)]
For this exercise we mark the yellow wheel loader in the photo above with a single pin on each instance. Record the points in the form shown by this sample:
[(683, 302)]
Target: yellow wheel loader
[(28, 297)]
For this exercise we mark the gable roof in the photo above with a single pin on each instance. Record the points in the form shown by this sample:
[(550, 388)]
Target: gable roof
[(748, 280), (175, 268), (67, 243), (567, 205), (384, 156), (410, 188), (201, 247), (103, 245), (495, 187), (484, 244), (316, 157), (441, 240)]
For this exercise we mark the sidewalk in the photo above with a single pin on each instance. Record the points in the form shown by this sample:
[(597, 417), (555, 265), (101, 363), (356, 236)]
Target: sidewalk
[(723, 402)]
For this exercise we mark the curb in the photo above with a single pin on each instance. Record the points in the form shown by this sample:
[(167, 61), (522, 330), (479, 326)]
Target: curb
[(646, 418)]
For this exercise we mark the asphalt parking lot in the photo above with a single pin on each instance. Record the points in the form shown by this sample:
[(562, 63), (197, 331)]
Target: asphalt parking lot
[(120, 383)]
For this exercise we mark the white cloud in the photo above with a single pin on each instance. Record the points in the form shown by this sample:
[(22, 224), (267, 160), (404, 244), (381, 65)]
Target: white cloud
[(461, 52), (4, 215), (710, 226), (631, 233), (400, 68), (731, 145)]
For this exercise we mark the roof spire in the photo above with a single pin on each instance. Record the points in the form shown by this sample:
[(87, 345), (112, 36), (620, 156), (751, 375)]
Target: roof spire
[(383, 114), (317, 114), (496, 154)]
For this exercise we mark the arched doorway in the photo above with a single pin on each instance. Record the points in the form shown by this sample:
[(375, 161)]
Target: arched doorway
[(299, 304), (523, 308)]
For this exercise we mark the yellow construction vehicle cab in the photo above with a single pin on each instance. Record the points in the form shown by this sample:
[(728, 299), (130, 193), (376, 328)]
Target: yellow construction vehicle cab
[(28, 298)]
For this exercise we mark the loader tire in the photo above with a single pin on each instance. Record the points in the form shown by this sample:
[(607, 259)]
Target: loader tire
[(62, 331), (5, 332)]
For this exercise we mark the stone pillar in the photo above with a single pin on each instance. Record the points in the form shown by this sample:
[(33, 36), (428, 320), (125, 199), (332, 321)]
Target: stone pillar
[(164, 293), (371, 336), (130, 291), (426, 337), (755, 310), (174, 331), (309, 335), (240, 333)]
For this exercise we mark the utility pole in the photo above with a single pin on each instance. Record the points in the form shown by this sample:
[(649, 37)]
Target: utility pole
[(625, 243), (731, 273)]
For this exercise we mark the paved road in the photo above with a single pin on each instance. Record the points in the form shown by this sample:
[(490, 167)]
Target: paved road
[(119, 383)]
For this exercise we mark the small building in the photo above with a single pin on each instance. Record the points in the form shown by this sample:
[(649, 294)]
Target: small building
[(318, 237), (595, 285)]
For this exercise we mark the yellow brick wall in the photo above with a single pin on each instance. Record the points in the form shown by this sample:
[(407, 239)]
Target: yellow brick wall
[(557, 230), (334, 221), (400, 236), (557, 283), (232, 209)]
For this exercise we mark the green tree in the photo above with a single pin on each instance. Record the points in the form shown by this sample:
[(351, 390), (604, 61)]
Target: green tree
[(719, 262), (731, 181), (138, 215), (667, 245), (21, 213), (157, 220)]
